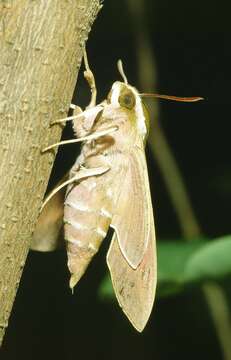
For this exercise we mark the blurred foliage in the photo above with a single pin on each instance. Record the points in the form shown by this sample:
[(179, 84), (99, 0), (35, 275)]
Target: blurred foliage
[(182, 264)]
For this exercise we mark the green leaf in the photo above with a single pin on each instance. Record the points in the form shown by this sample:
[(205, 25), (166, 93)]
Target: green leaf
[(172, 257), (211, 262), (183, 263), (106, 291)]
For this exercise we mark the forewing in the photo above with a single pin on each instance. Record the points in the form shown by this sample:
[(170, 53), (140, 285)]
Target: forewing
[(131, 221), (134, 288)]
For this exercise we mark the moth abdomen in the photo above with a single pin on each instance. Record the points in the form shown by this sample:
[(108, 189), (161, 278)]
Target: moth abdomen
[(87, 217)]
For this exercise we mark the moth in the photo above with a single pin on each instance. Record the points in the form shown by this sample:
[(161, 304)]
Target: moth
[(108, 186)]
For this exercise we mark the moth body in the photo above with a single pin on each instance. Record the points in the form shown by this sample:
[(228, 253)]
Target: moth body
[(87, 216), (109, 186), (90, 205)]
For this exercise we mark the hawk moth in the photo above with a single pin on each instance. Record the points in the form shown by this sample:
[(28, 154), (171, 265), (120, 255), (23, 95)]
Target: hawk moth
[(108, 186)]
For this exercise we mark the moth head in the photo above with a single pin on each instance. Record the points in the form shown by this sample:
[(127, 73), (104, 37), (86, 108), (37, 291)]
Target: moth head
[(126, 97)]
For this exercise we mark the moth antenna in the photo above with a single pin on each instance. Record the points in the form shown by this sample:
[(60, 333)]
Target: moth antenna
[(173, 98), (88, 74), (93, 136), (121, 71)]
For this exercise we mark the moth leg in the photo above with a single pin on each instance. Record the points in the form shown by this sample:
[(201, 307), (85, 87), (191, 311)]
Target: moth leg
[(88, 74), (81, 174), (73, 107), (78, 113), (92, 136)]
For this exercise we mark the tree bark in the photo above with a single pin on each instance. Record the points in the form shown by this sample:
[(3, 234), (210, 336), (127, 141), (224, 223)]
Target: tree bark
[(41, 43)]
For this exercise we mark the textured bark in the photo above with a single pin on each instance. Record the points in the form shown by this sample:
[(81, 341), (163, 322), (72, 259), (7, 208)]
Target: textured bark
[(41, 44)]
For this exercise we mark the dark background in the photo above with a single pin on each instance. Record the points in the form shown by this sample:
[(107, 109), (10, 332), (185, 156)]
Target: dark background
[(191, 44)]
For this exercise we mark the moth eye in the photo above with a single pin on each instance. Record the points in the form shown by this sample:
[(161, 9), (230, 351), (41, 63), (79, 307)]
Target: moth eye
[(127, 100)]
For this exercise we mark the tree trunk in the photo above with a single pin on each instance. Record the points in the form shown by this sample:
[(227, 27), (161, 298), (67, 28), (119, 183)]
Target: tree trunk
[(41, 43)]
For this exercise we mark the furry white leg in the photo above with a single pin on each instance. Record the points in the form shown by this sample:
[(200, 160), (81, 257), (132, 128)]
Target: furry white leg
[(92, 136), (88, 74), (81, 174)]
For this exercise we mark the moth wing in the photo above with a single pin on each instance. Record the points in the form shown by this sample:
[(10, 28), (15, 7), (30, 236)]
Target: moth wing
[(47, 235), (134, 288), (131, 220)]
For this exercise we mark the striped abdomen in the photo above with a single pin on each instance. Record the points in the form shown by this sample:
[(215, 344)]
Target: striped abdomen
[(87, 216)]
